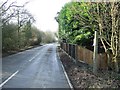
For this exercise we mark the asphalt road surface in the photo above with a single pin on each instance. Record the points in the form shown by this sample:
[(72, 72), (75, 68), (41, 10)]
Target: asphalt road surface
[(34, 68)]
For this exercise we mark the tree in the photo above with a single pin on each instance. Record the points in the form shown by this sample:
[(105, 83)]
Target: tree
[(7, 12), (28, 32), (75, 24), (37, 36), (23, 17), (49, 37), (16, 26), (78, 21), (108, 19), (9, 37)]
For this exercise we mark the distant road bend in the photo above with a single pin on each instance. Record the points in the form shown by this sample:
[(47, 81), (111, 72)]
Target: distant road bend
[(34, 68)]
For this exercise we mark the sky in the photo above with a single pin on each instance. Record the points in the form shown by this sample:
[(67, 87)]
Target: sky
[(44, 12)]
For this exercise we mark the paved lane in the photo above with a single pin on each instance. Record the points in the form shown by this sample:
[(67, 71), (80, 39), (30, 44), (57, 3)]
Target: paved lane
[(34, 68)]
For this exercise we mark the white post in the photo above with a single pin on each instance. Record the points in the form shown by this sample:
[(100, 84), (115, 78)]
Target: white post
[(95, 54), (0, 51)]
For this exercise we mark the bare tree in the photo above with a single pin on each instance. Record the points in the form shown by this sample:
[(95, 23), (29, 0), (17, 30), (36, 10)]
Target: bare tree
[(8, 11), (109, 29), (23, 16)]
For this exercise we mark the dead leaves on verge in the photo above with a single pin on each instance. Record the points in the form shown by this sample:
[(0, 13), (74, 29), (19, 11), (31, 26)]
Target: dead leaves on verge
[(82, 77)]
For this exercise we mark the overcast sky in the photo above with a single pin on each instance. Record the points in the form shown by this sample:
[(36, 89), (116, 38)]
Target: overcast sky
[(44, 12)]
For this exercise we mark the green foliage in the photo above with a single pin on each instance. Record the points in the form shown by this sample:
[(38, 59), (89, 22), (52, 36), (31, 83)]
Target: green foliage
[(36, 36), (28, 35), (9, 37), (78, 21), (75, 23), (49, 37)]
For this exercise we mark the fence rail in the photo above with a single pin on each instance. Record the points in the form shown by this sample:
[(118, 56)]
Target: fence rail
[(82, 54)]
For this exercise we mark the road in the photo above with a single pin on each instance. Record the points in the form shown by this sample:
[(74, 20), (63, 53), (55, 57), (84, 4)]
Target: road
[(34, 68)]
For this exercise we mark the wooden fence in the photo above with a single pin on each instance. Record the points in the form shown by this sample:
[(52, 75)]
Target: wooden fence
[(82, 54)]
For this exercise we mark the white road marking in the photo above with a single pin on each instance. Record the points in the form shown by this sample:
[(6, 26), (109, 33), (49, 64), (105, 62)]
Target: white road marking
[(9, 78), (67, 78), (34, 57), (71, 86), (18, 70)]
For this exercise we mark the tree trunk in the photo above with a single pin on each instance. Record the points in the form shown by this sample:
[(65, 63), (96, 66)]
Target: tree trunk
[(115, 31), (18, 29)]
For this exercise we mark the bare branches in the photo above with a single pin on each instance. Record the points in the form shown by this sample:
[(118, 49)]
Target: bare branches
[(7, 12), (4, 8), (3, 4)]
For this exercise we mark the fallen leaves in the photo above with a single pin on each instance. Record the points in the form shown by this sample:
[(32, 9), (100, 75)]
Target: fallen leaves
[(82, 76)]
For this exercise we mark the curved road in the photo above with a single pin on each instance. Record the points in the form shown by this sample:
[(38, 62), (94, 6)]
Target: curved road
[(34, 68)]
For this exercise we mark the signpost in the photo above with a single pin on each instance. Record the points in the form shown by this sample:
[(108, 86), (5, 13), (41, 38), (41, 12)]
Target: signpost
[(95, 54)]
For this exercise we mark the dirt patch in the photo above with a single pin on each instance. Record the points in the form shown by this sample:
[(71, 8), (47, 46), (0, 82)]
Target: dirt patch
[(81, 75)]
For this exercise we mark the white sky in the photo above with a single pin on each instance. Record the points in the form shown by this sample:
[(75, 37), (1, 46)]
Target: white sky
[(44, 12)]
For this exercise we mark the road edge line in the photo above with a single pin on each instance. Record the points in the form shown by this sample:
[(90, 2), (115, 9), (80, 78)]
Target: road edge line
[(8, 78), (68, 80)]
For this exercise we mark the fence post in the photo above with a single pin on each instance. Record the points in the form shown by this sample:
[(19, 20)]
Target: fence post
[(76, 52), (65, 47), (61, 44), (69, 49)]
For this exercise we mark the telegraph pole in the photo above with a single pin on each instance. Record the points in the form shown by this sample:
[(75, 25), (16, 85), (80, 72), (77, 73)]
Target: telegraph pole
[(95, 54)]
